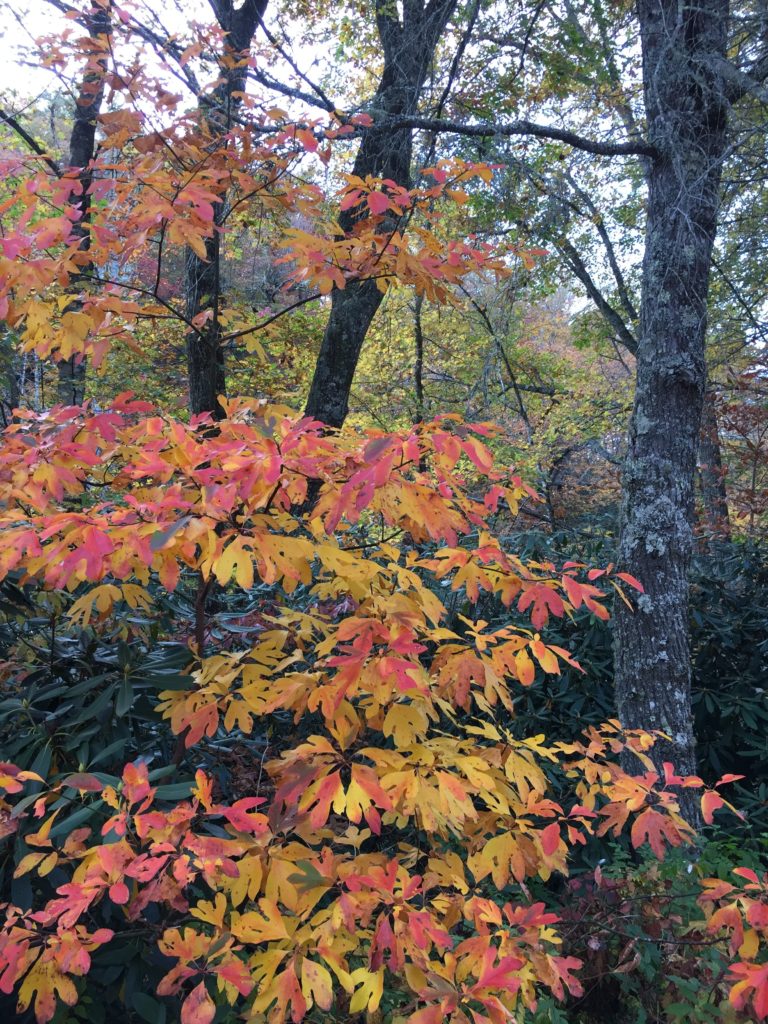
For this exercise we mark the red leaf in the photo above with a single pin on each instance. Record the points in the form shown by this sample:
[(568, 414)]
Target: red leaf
[(83, 781), (550, 839), (747, 873), (657, 829), (307, 139), (429, 1015), (350, 198), (710, 802), (757, 915), (544, 601), (728, 777)]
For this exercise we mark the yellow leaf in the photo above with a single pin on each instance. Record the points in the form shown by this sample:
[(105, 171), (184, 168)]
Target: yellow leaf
[(316, 984), (524, 668), (235, 559), (406, 723), (212, 913), (248, 881), (48, 864), (368, 991), (545, 657), (749, 947), (27, 863), (102, 597), (267, 926)]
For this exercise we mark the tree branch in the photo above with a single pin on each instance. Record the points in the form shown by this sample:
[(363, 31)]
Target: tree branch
[(575, 262), (35, 146), (518, 128), (613, 262), (325, 102), (739, 83)]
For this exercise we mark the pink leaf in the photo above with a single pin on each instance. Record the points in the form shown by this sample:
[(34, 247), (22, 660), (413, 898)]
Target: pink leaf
[(198, 1007), (378, 202)]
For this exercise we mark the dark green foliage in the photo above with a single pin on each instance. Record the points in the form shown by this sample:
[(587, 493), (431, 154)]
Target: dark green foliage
[(729, 646)]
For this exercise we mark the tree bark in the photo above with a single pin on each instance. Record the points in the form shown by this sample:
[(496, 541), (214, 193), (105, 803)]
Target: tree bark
[(82, 149), (686, 114), (408, 49), (205, 356), (712, 473)]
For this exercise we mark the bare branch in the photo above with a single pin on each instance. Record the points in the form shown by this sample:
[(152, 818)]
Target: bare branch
[(597, 220), (577, 265), (518, 128), (325, 102), (740, 83)]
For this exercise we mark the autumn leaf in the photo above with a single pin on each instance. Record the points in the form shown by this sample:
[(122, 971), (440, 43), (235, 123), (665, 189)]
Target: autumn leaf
[(377, 202), (369, 988), (544, 601), (550, 839), (316, 984), (658, 829), (198, 1007)]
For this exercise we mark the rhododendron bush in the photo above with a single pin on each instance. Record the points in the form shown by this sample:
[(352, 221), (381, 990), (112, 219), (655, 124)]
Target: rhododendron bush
[(382, 859)]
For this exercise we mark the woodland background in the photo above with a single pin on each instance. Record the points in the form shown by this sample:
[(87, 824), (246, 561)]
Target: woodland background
[(315, 246)]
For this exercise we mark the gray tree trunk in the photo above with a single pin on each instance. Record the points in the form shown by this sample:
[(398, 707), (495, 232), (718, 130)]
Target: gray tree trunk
[(686, 114), (408, 49)]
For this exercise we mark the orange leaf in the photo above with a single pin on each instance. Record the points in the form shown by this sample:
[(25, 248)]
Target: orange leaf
[(632, 581), (198, 1007), (544, 601)]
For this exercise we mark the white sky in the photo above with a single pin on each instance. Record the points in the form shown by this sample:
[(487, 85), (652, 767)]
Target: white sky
[(32, 19)]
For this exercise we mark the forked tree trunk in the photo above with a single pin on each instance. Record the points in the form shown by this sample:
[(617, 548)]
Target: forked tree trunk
[(687, 119), (408, 49)]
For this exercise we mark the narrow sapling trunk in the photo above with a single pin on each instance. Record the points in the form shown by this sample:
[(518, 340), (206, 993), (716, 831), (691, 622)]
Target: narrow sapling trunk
[(82, 149)]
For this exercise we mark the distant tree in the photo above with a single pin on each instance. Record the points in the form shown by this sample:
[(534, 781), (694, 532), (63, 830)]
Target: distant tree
[(408, 45)]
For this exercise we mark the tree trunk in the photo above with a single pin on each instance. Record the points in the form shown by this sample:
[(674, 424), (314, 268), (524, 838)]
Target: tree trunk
[(206, 372), (10, 390), (70, 384), (82, 149), (712, 473), (205, 356), (418, 363), (408, 49), (687, 119)]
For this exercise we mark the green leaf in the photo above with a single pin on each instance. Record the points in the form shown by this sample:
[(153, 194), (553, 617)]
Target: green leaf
[(80, 817), (148, 1009), (107, 752), (174, 791), (124, 697), (101, 703)]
